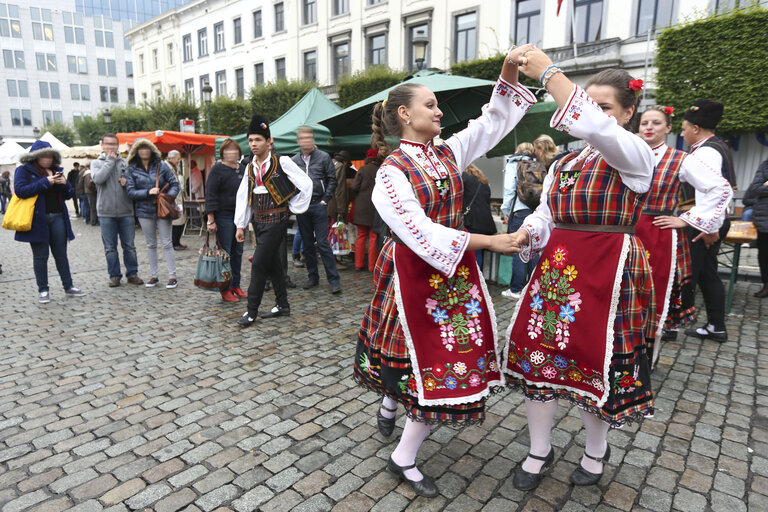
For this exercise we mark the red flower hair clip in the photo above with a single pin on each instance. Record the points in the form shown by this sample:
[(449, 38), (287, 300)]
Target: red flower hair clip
[(669, 110), (636, 85)]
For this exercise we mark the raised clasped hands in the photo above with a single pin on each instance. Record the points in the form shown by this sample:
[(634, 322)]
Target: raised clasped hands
[(517, 54), (535, 63)]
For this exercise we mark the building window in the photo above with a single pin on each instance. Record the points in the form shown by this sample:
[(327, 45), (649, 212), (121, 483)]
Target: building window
[(18, 88), (528, 26), (79, 92), (280, 68), (310, 65), (221, 83), (44, 93), (308, 12), (340, 7), (218, 37), (50, 62), (279, 17), (107, 67), (340, 61), (258, 73), (202, 42), (19, 117), (589, 18), (155, 60), (85, 92), (170, 54), (186, 44), (10, 25), (74, 92), (189, 88), (42, 26), (113, 95), (131, 96), (377, 50), (54, 89), (40, 59), (237, 30), (653, 15), (73, 28), (15, 117), (257, 33), (111, 67), (14, 59), (104, 94), (465, 37), (239, 83), (413, 31), (727, 5), (376, 2), (141, 64), (103, 31), (203, 82)]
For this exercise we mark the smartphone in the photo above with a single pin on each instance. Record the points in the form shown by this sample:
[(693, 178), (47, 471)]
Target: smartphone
[(59, 173)]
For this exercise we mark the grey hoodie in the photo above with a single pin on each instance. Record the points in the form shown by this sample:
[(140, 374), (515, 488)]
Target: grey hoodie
[(112, 199)]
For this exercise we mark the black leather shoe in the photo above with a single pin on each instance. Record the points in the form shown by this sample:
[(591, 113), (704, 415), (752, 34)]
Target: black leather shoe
[(668, 334), (336, 288), (705, 334), (386, 425), (309, 284), (246, 320), (289, 283), (762, 293), (425, 487), (581, 476), (276, 311), (526, 481)]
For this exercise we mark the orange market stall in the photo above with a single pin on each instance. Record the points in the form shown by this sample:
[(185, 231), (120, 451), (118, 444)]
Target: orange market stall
[(188, 144)]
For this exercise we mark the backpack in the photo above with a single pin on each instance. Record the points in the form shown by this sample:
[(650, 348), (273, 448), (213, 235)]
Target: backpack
[(530, 179)]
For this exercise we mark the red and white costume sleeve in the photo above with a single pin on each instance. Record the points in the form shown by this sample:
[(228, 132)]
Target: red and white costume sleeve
[(625, 152), (397, 203), (702, 169)]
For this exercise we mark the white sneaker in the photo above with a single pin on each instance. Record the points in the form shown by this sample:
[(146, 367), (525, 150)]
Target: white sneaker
[(74, 292), (43, 297), (510, 294)]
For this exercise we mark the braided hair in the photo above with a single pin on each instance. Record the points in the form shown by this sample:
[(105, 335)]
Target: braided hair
[(385, 120)]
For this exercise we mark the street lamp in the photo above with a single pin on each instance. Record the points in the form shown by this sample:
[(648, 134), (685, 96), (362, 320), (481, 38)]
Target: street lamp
[(420, 42), (36, 132), (207, 90), (107, 115)]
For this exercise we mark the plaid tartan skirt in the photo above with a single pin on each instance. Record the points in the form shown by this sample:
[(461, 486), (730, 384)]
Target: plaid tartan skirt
[(630, 397), (679, 315), (382, 362)]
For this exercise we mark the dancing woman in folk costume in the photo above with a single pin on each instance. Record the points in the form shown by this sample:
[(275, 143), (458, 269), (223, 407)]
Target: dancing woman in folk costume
[(667, 247), (578, 330), (428, 339)]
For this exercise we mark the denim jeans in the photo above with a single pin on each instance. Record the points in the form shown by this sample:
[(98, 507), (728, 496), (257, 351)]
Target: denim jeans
[(521, 271), (57, 240), (225, 224), (298, 244), (314, 227), (85, 210), (125, 228), (3, 200), (151, 227)]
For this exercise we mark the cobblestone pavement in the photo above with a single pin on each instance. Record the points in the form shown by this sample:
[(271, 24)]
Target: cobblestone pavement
[(133, 398)]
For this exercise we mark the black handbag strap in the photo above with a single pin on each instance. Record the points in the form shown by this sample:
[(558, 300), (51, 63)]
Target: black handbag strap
[(469, 206)]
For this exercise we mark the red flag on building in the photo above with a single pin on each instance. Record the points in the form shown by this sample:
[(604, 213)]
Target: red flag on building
[(559, 4)]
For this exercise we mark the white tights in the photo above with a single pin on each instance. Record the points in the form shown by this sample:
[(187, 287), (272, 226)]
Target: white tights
[(414, 433)]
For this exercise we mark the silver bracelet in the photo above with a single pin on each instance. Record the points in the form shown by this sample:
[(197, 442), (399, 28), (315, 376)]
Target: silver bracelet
[(549, 74)]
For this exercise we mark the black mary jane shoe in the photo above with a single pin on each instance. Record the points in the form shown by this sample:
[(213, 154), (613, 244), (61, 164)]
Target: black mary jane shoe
[(526, 481), (425, 487), (276, 311), (581, 476), (386, 425)]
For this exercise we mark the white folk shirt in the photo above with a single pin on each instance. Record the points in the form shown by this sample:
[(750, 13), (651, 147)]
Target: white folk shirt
[(627, 153), (297, 204), (702, 168), (508, 104)]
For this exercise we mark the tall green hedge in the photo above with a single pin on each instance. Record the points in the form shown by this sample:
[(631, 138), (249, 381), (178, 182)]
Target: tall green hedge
[(365, 83), (274, 99), (489, 69), (722, 58), (230, 116)]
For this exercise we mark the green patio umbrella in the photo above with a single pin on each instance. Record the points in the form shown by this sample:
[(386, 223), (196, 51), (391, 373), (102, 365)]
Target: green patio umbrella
[(312, 107)]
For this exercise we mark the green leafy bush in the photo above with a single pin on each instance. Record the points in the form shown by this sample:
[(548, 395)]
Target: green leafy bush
[(721, 58), (230, 116), (365, 83), (274, 99), (490, 69), (130, 118), (165, 112), (90, 130)]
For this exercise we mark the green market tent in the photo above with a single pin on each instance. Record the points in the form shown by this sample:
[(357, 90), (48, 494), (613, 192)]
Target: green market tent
[(312, 107), (461, 99)]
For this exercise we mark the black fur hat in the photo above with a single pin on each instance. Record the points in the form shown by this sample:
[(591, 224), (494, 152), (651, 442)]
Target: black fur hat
[(259, 126), (705, 113)]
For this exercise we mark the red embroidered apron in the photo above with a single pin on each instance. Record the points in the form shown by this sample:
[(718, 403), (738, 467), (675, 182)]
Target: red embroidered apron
[(568, 305), (455, 360)]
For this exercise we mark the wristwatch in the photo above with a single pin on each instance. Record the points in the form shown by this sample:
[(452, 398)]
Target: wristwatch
[(211, 222)]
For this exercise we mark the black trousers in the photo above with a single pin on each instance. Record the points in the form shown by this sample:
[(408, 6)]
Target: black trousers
[(704, 274), (762, 255), (176, 232), (267, 264)]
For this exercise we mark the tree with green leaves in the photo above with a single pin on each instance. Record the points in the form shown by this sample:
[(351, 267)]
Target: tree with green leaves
[(90, 130), (61, 131), (274, 99), (490, 69), (164, 113), (129, 118), (722, 58), (230, 116)]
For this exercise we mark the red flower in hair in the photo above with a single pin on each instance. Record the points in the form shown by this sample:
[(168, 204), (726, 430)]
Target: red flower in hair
[(669, 110), (636, 85)]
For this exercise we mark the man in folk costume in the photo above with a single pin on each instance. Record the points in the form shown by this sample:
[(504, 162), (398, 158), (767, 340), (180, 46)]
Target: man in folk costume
[(428, 339), (655, 228), (709, 157), (271, 188), (578, 332)]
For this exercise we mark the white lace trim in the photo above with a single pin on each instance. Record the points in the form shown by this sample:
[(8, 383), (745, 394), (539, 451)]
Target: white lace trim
[(660, 325)]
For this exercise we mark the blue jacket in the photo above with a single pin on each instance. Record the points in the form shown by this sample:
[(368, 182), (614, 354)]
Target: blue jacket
[(138, 182), (27, 183)]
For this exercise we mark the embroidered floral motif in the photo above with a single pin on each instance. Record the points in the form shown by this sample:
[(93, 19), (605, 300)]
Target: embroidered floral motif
[(407, 385), (625, 382), (554, 367), (455, 305)]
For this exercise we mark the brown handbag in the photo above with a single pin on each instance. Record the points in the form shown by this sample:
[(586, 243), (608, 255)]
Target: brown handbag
[(166, 205)]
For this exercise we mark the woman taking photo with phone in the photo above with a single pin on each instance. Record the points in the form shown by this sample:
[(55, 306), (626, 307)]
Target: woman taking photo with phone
[(40, 175)]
